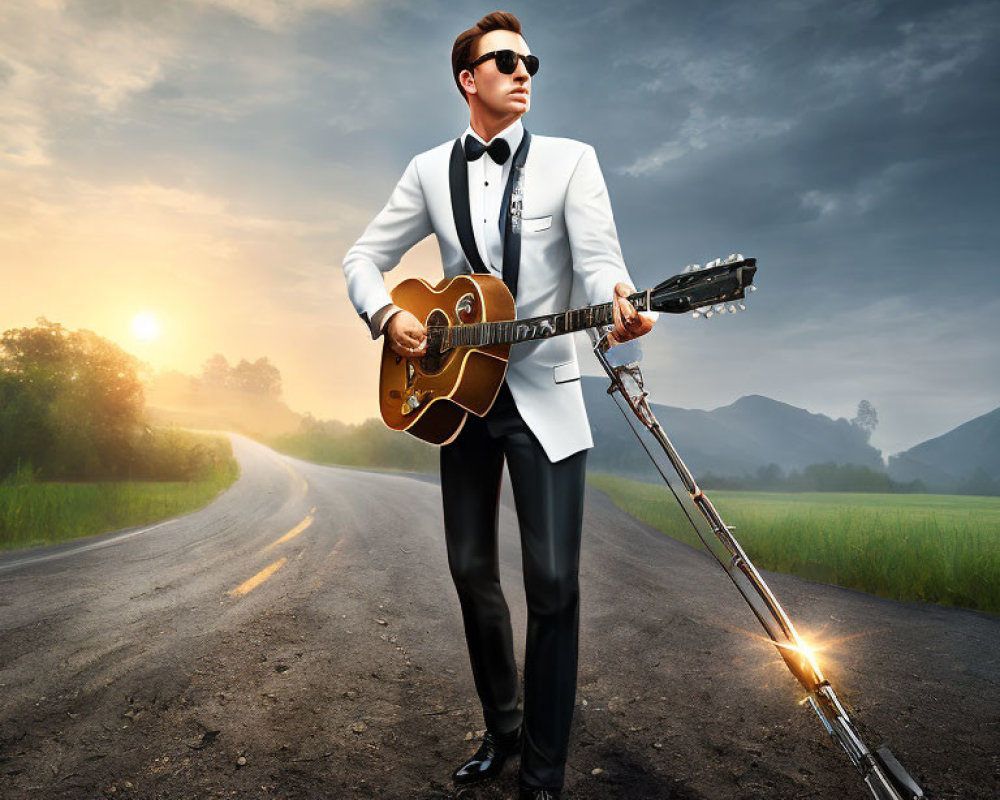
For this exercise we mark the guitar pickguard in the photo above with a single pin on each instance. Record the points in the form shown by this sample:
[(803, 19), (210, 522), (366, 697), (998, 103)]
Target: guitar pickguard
[(466, 311)]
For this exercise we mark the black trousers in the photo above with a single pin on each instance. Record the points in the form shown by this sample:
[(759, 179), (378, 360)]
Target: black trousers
[(549, 501)]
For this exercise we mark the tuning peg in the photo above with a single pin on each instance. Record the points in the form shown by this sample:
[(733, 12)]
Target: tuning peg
[(732, 309), (696, 315), (714, 263), (742, 307), (752, 288), (731, 259), (709, 314)]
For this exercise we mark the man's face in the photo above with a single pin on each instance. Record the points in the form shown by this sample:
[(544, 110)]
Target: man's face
[(501, 94)]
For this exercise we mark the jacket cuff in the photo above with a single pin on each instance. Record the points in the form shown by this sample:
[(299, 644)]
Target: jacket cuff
[(381, 318)]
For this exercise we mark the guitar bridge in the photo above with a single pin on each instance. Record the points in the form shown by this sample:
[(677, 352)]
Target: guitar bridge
[(414, 401)]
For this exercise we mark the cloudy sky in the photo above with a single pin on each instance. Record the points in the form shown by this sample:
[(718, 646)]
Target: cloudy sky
[(209, 162)]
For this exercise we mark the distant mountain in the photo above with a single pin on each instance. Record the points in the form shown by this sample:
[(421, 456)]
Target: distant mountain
[(732, 441), (966, 459)]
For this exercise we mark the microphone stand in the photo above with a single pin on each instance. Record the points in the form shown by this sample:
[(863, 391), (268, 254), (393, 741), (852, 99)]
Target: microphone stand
[(884, 776)]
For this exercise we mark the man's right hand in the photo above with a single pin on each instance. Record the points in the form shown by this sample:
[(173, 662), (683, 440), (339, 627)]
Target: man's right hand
[(407, 335)]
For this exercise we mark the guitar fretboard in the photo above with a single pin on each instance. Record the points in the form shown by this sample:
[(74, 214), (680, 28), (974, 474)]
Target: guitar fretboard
[(481, 334)]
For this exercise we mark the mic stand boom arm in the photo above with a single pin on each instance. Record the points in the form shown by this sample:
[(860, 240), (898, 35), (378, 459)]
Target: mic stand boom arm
[(883, 774)]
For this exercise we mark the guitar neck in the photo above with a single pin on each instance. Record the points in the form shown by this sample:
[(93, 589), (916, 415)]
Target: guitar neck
[(717, 283), (513, 331)]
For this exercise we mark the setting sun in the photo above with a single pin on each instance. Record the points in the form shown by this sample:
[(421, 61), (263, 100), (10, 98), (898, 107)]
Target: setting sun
[(145, 327)]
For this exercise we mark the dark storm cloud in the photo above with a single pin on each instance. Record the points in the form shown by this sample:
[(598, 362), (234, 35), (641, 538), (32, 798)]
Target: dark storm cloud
[(803, 129), (850, 147)]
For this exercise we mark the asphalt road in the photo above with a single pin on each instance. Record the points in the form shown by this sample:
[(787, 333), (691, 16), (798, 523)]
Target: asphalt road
[(300, 638)]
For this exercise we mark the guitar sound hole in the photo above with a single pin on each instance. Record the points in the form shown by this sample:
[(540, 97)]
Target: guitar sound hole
[(434, 361)]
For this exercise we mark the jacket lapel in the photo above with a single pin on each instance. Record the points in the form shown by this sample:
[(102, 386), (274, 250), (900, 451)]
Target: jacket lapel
[(458, 178), (510, 224)]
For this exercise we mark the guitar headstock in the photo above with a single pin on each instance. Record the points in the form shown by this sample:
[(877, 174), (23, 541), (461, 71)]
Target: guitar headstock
[(718, 287)]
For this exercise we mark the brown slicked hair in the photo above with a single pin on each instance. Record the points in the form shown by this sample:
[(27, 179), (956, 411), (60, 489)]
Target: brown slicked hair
[(465, 43)]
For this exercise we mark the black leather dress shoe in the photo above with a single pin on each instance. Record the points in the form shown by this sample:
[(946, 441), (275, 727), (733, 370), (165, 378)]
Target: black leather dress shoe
[(489, 758), (538, 794)]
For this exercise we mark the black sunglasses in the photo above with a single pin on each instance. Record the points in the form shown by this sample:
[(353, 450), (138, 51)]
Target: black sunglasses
[(507, 61)]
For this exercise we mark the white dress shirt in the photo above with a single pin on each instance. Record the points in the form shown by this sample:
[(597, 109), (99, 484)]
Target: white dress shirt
[(487, 181)]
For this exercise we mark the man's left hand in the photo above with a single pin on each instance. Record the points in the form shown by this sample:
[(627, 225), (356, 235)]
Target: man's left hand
[(629, 323)]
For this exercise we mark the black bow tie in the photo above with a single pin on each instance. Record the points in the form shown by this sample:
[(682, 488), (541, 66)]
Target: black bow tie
[(499, 150)]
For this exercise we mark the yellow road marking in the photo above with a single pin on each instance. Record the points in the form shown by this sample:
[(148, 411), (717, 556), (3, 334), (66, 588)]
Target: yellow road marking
[(259, 578), (303, 486), (292, 533)]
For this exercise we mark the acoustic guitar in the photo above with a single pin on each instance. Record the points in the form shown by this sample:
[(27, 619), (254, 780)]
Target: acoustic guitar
[(471, 325)]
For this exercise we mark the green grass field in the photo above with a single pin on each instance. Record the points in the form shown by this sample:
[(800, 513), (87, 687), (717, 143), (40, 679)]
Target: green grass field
[(933, 548), (45, 513)]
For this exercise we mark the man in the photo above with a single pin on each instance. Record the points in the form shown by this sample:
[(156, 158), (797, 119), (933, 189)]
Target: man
[(467, 192)]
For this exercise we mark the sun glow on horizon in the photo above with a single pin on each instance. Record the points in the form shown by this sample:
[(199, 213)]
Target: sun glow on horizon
[(145, 328)]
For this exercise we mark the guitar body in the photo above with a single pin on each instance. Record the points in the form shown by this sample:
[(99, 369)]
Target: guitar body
[(429, 396)]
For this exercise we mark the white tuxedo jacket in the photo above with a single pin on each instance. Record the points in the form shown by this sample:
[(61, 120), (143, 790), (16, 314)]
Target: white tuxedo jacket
[(569, 247)]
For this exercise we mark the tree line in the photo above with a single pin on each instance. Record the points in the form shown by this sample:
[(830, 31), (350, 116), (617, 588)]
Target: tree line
[(72, 409), (827, 477), (259, 378), (368, 444)]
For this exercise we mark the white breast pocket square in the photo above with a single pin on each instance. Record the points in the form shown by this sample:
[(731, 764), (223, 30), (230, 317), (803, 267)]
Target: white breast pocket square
[(537, 224)]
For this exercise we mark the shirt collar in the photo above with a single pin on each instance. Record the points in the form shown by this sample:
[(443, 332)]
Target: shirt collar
[(513, 133)]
